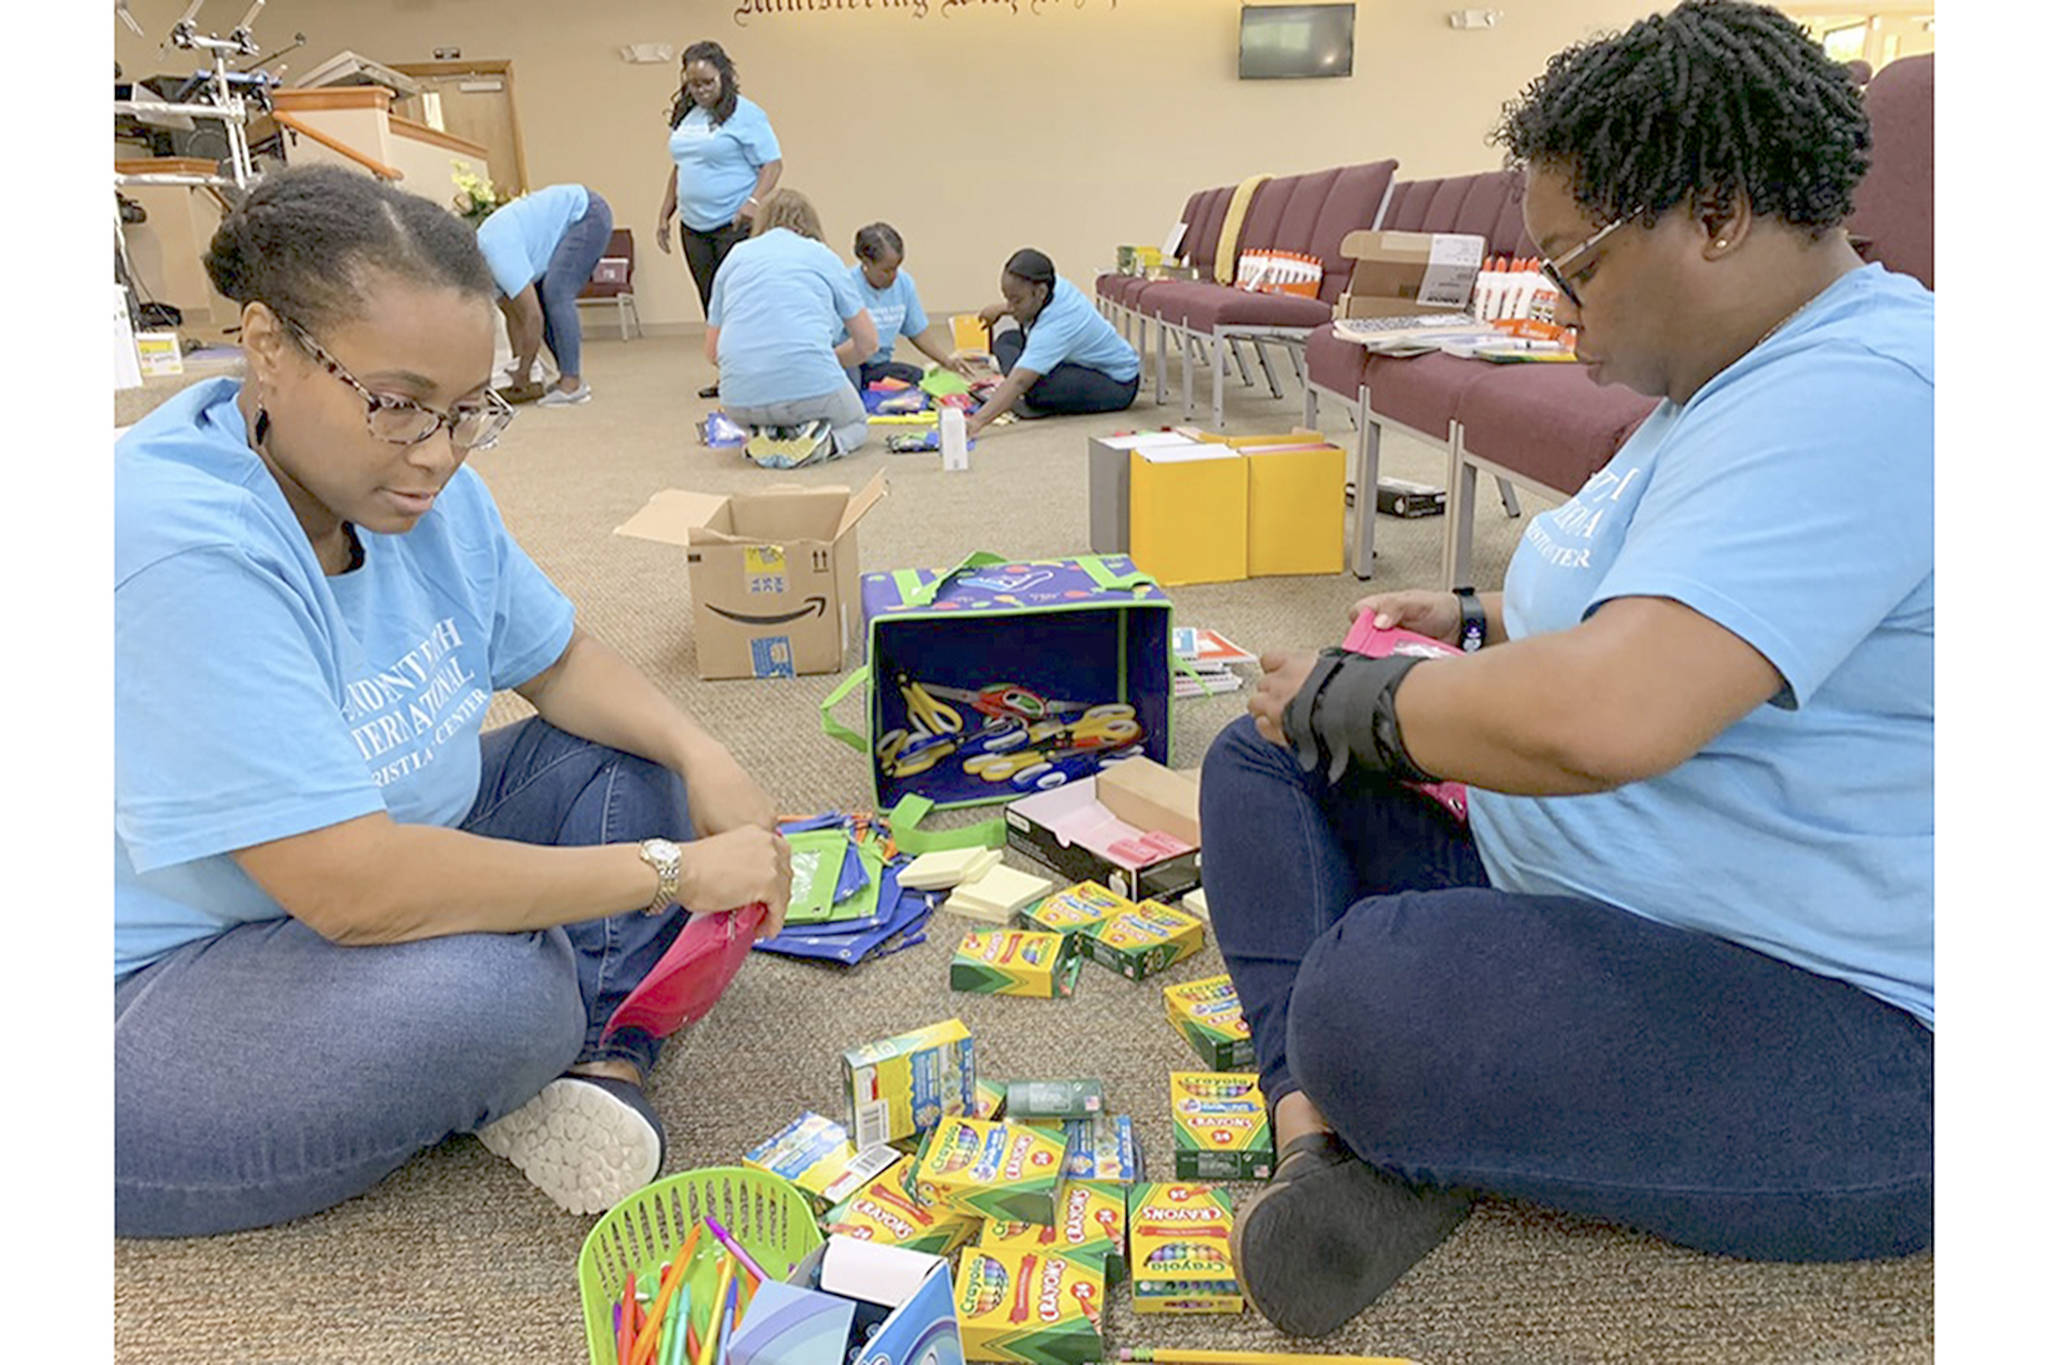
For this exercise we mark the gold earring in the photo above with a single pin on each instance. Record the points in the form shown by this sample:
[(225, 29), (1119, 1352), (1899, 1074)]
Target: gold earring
[(1723, 243)]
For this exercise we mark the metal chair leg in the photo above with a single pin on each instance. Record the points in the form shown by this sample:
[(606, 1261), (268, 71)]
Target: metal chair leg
[(1364, 491), (1272, 382), (1508, 501)]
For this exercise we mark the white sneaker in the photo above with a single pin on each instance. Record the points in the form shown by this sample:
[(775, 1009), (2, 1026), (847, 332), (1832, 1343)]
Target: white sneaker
[(586, 1141), (562, 398)]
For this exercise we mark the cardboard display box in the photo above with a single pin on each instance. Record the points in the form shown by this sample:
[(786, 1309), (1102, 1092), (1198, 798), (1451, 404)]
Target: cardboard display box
[(1070, 831), (1403, 274), (1028, 1308), (1220, 1129), (1189, 513), (1153, 796), (852, 1302), (1180, 1250), (1109, 485), (1294, 509), (906, 1084), (774, 575)]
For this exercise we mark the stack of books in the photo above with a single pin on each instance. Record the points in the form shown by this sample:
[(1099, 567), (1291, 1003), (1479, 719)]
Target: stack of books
[(1213, 661)]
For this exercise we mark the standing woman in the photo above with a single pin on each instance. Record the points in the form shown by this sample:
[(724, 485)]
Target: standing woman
[(542, 248), (726, 161), (1061, 356)]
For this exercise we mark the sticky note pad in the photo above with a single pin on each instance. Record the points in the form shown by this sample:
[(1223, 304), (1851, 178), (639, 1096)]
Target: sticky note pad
[(999, 893), (947, 868)]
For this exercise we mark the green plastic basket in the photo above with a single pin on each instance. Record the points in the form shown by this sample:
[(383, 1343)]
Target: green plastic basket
[(765, 1214)]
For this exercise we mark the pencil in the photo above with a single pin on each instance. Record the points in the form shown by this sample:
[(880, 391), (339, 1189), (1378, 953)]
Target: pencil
[(1175, 1357)]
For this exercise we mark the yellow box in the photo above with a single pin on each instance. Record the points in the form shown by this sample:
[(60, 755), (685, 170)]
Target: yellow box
[(1026, 1307), (989, 1099), (1295, 511), (1079, 906), (1180, 1250), (1015, 962), (1148, 938), (1220, 1130), (906, 1084), (884, 1210), (1089, 1225), (1207, 1014), (1189, 509), (991, 1170)]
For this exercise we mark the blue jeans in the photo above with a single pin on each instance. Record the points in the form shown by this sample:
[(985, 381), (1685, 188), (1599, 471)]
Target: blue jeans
[(266, 1073), (1554, 1049), (1066, 387), (575, 258)]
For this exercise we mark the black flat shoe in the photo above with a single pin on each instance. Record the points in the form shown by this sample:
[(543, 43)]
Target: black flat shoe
[(708, 391), (1329, 1234)]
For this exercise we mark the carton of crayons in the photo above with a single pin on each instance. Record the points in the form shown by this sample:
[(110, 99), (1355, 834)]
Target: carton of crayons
[(885, 1211), (1180, 1250), (1016, 962), (1029, 1307), (1220, 1130), (812, 1153), (1089, 1226), (990, 1170), (1081, 906), (1206, 1013), (1145, 939), (904, 1085), (989, 1099)]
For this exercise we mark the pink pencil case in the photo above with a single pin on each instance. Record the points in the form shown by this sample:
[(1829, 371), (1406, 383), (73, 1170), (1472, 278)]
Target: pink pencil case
[(691, 975), (1375, 643)]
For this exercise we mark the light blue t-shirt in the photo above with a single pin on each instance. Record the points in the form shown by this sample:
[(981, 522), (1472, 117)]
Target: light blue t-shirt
[(1790, 501), (896, 311), (778, 301), (716, 168), (1069, 328), (518, 239), (255, 697)]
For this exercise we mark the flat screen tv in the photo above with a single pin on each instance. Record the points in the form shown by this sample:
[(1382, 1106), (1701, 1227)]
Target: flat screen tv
[(1275, 42)]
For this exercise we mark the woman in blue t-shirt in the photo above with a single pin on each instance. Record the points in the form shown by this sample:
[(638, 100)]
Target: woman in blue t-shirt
[(1057, 354), (726, 161), (1676, 969), (347, 922), (891, 299)]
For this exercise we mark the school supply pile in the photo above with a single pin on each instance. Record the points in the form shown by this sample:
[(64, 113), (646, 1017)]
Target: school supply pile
[(847, 902)]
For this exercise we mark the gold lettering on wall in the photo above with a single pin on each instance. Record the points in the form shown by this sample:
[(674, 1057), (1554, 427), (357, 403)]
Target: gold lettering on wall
[(916, 9)]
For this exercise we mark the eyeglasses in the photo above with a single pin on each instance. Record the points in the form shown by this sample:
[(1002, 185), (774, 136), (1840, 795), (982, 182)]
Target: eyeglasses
[(402, 422), (1553, 268)]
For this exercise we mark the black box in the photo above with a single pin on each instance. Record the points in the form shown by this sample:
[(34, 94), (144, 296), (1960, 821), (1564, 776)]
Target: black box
[(1401, 498)]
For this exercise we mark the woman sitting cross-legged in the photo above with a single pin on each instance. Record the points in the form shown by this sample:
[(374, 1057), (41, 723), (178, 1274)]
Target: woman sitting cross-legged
[(1058, 355), (347, 922)]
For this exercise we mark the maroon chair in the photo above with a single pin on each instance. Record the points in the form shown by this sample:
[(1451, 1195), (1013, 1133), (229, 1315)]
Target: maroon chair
[(1893, 219), (612, 281)]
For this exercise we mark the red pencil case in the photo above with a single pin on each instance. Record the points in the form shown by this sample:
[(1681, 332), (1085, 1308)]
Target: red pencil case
[(1373, 642), (691, 975)]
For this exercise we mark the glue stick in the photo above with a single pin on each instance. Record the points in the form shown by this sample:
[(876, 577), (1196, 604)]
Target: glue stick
[(952, 439)]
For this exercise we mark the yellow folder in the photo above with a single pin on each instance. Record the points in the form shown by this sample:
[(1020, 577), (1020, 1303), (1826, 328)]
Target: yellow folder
[(1188, 513)]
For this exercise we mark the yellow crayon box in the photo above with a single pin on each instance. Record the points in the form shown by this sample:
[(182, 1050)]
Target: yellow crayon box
[(1029, 1307), (1148, 938), (1220, 1130), (1180, 1250), (990, 1170), (904, 1085), (989, 1099), (884, 1210), (1206, 1013), (1081, 906), (812, 1153), (1090, 1226), (1016, 962)]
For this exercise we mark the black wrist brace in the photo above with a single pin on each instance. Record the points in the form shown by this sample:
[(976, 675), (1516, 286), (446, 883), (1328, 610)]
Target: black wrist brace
[(1345, 710)]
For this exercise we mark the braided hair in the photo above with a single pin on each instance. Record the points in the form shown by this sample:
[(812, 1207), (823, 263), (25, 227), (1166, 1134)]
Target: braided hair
[(728, 85), (1715, 101), (877, 240), (305, 241)]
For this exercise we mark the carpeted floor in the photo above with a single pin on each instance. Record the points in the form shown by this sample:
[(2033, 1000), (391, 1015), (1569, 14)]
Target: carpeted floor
[(456, 1258)]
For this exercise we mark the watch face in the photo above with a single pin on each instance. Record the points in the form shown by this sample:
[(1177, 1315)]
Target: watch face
[(664, 849)]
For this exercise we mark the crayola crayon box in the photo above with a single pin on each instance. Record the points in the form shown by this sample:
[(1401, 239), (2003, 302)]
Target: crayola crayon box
[(990, 1170), (989, 1099), (1081, 906), (1220, 1130), (1030, 1307), (812, 1153), (1206, 1013), (1016, 962), (1089, 1226), (1145, 939), (884, 1210), (904, 1085), (1180, 1250)]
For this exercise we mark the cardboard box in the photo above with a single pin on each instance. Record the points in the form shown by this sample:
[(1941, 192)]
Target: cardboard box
[(906, 1084), (1138, 943), (1402, 274), (1206, 1013), (1070, 831), (990, 1170), (1180, 1250), (990, 1098), (1090, 1226), (848, 1292), (885, 1210), (1109, 485), (1294, 509), (1016, 962), (1189, 513), (1153, 796), (1220, 1130), (813, 1154), (774, 575), (1077, 907), (1021, 1306)]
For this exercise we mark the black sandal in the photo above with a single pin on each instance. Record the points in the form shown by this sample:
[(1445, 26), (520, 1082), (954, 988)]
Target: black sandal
[(1329, 1234)]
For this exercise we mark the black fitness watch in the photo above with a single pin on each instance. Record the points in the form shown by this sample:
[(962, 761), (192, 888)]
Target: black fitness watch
[(1471, 620)]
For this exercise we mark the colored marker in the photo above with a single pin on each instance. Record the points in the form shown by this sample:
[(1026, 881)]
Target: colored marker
[(726, 1240), (706, 1352), (732, 1311), (676, 1270), (678, 1330), (627, 1307)]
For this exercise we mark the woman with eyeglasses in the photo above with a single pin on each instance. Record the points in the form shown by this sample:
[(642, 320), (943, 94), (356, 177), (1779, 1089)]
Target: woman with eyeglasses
[(1676, 969), (348, 922)]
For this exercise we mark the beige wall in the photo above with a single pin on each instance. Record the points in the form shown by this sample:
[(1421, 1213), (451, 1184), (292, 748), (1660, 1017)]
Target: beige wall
[(974, 131)]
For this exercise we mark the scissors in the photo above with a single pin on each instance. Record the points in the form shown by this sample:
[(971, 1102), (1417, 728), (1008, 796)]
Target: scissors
[(926, 711), (906, 753)]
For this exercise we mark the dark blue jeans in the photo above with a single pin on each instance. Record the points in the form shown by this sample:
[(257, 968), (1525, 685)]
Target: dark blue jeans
[(266, 1073), (1066, 388), (1553, 1049), (569, 269)]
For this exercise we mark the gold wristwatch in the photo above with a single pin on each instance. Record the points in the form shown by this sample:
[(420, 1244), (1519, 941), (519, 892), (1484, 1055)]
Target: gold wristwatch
[(665, 856)]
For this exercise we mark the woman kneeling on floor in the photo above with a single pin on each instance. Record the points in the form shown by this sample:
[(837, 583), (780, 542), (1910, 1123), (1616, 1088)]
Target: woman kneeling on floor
[(779, 299), (1677, 972), (347, 922), (1057, 354)]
